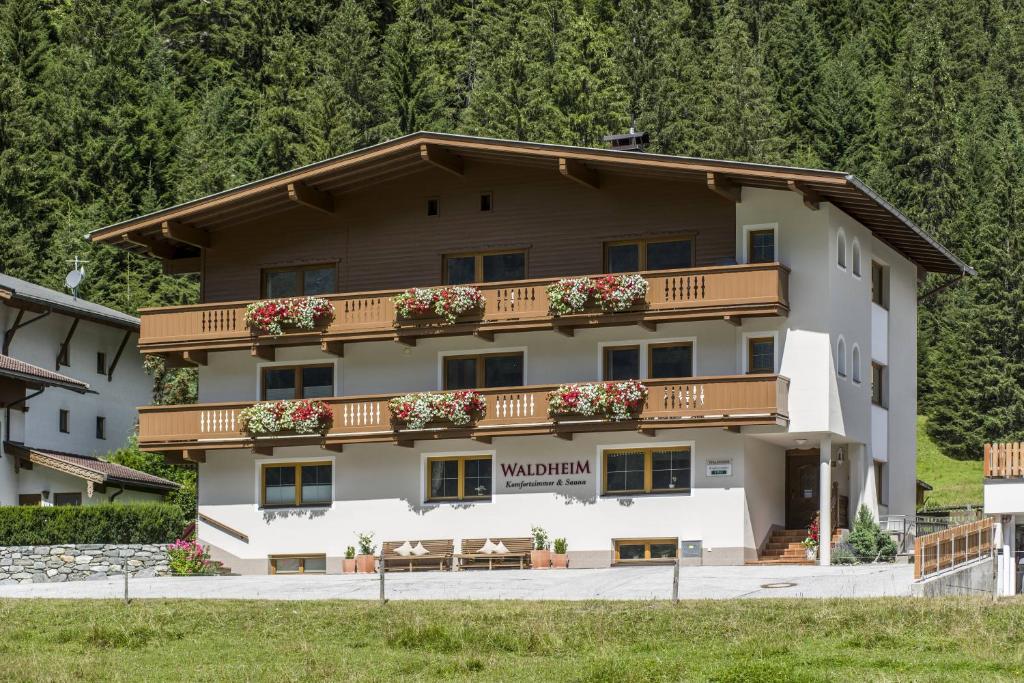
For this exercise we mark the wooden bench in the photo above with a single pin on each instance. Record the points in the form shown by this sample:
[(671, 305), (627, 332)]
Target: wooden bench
[(439, 555), (518, 555)]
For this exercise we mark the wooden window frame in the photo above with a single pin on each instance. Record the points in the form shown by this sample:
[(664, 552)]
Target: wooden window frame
[(68, 493), (101, 363), (30, 499), (666, 345), (750, 244), (607, 351), (298, 483), (750, 355), (64, 421), (300, 269), (647, 543), (478, 262), (480, 365), (298, 377), (101, 427), (648, 488), (642, 244), (272, 560), (461, 495), (882, 393)]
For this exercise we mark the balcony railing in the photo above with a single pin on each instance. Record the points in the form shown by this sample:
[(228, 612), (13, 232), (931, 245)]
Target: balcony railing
[(1004, 460), (732, 401), (674, 295)]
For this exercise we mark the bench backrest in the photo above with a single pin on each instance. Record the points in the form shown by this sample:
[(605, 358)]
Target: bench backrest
[(514, 545), (434, 547)]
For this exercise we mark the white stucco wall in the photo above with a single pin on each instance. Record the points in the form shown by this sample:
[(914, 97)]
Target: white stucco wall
[(1004, 496)]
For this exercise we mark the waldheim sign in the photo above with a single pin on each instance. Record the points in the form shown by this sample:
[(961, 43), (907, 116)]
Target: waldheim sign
[(546, 474)]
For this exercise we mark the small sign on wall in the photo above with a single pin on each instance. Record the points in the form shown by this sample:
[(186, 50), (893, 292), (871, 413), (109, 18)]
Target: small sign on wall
[(719, 468)]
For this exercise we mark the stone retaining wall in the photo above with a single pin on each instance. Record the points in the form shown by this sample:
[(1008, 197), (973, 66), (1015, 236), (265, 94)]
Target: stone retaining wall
[(56, 563)]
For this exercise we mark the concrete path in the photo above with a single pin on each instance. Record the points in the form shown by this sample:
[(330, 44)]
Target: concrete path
[(618, 583)]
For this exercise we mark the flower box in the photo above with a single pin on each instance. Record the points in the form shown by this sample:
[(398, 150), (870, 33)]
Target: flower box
[(447, 303), (458, 408), (286, 417), (609, 400), (614, 293), (275, 316)]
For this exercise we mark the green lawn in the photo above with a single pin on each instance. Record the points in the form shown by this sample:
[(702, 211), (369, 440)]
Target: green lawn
[(955, 482), (809, 640)]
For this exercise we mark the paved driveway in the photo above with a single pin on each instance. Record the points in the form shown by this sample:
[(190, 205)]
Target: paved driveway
[(617, 583)]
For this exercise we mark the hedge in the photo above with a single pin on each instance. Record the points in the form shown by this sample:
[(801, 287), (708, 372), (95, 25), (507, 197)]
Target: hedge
[(103, 523)]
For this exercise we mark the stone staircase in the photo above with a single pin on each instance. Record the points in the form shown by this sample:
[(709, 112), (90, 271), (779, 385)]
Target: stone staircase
[(785, 546)]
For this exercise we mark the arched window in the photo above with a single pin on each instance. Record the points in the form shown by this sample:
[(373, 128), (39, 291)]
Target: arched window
[(855, 362), (855, 257), (841, 357), (841, 250)]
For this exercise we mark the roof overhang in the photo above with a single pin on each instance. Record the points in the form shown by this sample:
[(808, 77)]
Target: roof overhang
[(35, 377), (180, 232), (71, 465), (12, 296)]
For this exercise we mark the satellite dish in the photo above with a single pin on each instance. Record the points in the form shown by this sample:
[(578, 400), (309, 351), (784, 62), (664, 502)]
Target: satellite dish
[(73, 279)]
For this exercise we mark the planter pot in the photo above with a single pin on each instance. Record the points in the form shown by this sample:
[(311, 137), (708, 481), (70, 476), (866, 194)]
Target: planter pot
[(540, 559), (348, 566), (366, 564), (812, 552), (559, 561)]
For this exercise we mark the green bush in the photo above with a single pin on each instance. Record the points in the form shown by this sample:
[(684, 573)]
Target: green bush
[(843, 554), (868, 541), (105, 523)]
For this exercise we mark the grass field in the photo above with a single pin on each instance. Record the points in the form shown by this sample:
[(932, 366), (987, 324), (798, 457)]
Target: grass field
[(903, 639), (955, 482)]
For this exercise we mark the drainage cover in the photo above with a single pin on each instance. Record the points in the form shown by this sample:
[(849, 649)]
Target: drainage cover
[(780, 584)]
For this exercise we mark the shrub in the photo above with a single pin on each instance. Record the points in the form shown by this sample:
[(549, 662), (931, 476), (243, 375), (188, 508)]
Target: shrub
[(843, 554), (189, 558), (868, 541), (350, 553), (540, 538), (366, 546), (560, 546), (106, 523)]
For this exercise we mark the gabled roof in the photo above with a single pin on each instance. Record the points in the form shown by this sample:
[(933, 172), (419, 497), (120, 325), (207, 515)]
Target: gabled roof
[(37, 297), (35, 376), (92, 469), (317, 183)]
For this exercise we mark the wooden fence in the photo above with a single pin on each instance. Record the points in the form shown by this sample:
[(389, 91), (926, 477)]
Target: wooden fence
[(952, 547), (1004, 459)]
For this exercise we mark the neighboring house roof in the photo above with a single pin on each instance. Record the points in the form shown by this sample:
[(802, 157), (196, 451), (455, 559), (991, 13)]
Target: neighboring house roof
[(92, 469), (177, 232), (37, 297), (923, 485), (35, 376)]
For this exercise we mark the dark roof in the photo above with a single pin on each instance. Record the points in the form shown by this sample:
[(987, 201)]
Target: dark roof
[(92, 469), (39, 297), (35, 376), (406, 155), (924, 485)]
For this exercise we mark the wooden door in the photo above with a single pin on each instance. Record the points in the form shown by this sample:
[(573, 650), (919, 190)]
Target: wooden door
[(802, 493)]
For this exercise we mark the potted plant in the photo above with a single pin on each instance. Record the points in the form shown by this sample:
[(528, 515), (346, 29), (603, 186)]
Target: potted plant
[(447, 303), (612, 293), (275, 316), (348, 565), (540, 556), (560, 560), (304, 416), (610, 400), (811, 542), (457, 408), (365, 560)]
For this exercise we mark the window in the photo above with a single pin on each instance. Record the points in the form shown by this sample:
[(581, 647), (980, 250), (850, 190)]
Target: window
[(64, 355), (465, 477), (483, 371), (67, 498), (760, 355), (30, 499), (841, 357), (670, 360), (295, 484), (433, 207), (294, 564), (299, 281), (101, 363), (461, 269), (63, 418), (621, 362), (648, 254), (761, 246), (855, 257), (878, 385), (879, 288), (646, 549), (841, 250), (486, 201), (647, 470), (101, 427), (292, 382), (879, 483), (855, 362)]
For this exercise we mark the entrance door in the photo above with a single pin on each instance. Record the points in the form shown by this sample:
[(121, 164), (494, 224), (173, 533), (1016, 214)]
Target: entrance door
[(801, 488)]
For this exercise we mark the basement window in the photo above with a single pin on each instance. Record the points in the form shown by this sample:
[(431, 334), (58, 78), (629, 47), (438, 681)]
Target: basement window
[(637, 550), (296, 564), (433, 206)]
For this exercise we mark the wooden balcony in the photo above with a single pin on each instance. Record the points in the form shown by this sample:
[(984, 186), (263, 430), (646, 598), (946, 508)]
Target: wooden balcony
[(1004, 460), (732, 401), (718, 292)]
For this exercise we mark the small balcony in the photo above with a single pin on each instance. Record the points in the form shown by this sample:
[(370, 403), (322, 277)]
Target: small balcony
[(730, 402), (186, 333), (1004, 460)]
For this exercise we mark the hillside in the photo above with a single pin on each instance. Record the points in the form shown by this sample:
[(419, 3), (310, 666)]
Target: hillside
[(954, 482)]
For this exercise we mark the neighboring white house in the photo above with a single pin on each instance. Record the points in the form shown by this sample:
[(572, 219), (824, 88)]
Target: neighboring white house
[(778, 340), (1004, 500), (71, 377)]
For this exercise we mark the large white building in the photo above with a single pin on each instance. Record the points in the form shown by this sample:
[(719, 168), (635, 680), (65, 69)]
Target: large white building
[(71, 377), (777, 340)]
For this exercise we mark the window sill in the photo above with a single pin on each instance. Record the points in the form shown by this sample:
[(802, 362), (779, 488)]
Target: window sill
[(457, 501), (312, 506), (648, 494)]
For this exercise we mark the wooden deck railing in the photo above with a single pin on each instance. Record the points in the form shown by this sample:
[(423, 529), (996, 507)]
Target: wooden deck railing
[(689, 294), (952, 547), (672, 403), (1004, 460)]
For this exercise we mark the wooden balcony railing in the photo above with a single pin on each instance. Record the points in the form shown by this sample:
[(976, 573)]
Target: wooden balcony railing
[(952, 547), (692, 294), (1004, 460), (672, 403)]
